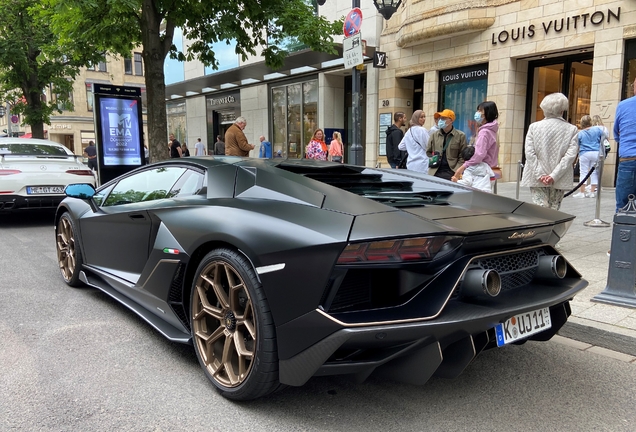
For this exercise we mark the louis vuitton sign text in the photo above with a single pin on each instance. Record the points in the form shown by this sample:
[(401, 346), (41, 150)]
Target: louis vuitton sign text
[(557, 26)]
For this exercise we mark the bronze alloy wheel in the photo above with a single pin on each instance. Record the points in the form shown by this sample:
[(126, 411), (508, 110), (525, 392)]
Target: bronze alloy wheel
[(224, 325), (69, 257)]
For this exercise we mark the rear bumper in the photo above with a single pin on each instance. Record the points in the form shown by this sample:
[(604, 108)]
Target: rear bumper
[(413, 352), (18, 202)]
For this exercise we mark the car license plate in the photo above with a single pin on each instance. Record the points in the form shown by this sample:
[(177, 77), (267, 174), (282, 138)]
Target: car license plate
[(35, 190), (523, 325)]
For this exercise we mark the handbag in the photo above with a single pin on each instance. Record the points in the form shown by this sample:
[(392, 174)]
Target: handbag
[(434, 160), (337, 159), (606, 145)]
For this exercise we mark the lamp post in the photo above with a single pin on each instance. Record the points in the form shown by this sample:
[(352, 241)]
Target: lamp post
[(356, 153), (387, 7)]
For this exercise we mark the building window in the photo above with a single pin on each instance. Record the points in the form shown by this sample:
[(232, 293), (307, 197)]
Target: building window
[(89, 96), (295, 117), (139, 65), (462, 90), (99, 67), (226, 56), (128, 66), (629, 71), (176, 112), (62, 106)]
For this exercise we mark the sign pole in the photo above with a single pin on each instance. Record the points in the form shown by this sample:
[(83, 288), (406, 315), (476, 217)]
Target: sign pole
[(356, 156)]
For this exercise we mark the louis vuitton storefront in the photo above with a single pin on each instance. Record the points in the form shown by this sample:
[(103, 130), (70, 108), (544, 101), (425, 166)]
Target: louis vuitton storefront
[(513, 53)]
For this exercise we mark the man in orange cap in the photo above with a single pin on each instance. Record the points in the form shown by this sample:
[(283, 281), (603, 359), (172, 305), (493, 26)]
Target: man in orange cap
[(447, 143)]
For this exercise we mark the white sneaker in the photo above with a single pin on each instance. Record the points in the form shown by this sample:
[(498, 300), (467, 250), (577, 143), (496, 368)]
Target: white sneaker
[(590, 195), (579, 195)]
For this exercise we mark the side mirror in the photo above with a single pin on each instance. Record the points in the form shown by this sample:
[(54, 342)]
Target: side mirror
[(81, 191)]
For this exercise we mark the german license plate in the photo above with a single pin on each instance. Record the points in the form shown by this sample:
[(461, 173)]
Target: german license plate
[(35, 190), (523, 325)]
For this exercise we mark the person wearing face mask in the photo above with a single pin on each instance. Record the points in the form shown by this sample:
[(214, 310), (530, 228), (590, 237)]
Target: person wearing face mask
[(486, 149), (447, 143)]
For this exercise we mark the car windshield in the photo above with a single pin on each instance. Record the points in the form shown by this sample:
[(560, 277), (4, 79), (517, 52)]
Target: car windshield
[(32, 150)]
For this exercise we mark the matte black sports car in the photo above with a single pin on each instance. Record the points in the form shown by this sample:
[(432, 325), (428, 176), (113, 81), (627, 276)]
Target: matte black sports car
[(280, 270)]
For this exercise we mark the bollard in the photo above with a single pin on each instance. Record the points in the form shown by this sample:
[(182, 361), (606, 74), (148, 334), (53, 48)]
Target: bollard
[(621, 276), (519, 171), (597, 222)]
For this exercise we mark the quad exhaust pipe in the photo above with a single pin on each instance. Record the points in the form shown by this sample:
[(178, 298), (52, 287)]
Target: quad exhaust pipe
[(480, 282), (552, 266)]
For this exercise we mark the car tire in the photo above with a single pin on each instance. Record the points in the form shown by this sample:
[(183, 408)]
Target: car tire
[(232, 327), (69, 255)]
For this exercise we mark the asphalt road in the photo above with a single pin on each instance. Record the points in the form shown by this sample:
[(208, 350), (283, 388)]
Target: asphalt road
[(74, 360)]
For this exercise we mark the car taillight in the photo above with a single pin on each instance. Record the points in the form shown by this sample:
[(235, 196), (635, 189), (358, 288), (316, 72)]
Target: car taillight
[(9, 172), (80, 172), (414, 249)]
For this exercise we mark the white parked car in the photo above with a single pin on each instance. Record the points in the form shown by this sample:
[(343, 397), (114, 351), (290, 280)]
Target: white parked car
[(34, 173)]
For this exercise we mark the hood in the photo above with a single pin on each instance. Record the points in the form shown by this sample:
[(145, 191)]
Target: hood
[(391, 129), (490, 128)]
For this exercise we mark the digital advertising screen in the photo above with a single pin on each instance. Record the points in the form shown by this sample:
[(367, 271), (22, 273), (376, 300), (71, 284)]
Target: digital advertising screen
[(120, 131)]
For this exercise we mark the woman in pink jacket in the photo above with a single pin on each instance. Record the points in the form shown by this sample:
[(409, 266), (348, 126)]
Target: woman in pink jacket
[(486, 149)]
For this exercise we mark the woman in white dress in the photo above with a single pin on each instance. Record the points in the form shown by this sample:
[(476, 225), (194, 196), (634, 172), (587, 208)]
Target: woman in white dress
[(414, 142)]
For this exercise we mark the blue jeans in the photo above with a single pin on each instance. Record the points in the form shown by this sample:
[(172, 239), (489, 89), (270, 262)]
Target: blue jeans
[(625, 183)]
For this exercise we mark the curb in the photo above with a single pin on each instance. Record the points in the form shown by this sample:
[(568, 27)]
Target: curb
[(601, 335)]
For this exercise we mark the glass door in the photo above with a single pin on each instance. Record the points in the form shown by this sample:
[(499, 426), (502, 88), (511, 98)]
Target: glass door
[(571, 76)]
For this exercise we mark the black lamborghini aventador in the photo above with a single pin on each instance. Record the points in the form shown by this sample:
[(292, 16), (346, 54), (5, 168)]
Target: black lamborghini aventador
[(279, 270)]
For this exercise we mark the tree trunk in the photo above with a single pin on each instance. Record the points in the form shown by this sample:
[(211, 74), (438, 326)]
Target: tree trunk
[(154, 54), (34, 105)]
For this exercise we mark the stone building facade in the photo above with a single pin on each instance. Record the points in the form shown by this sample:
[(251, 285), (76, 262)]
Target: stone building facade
[(454, 54)]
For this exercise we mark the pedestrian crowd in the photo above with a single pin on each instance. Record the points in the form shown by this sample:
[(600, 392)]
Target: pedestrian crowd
[(552, 148)]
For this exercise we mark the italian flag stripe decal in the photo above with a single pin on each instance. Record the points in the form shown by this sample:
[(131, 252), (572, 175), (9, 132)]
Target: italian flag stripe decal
[(171, 251)]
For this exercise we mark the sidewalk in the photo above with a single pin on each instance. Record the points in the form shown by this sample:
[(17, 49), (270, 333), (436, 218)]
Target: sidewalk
[(607, 326)]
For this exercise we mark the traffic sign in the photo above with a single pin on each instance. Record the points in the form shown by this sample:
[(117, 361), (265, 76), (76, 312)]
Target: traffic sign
[(353, 22), (15, 119), (352, 51)]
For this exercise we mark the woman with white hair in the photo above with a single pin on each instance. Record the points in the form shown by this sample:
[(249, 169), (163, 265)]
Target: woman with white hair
[(551, 148)]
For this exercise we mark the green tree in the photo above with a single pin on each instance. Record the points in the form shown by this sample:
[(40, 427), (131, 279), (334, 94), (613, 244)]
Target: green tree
[(31, 61), (117, 26)]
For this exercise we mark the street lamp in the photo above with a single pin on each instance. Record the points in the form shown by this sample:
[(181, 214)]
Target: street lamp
[(3, 111), (387, 7)]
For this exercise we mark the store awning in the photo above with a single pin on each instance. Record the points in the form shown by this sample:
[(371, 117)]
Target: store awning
[(300, 62)]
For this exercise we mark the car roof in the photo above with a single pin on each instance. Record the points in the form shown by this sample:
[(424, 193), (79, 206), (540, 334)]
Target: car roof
[(33, 141)]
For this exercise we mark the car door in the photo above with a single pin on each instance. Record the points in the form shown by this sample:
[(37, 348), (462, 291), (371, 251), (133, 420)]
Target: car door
[(116, 238)]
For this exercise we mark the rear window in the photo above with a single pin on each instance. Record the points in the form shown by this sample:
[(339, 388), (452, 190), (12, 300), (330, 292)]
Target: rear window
[(32, 150)]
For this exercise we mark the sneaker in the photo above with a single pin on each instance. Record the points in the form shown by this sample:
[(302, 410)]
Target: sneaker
[(590, 195), (579, 195)]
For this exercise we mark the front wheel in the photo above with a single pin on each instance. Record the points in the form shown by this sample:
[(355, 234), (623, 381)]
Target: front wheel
[(232, 327), (69, 255)]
